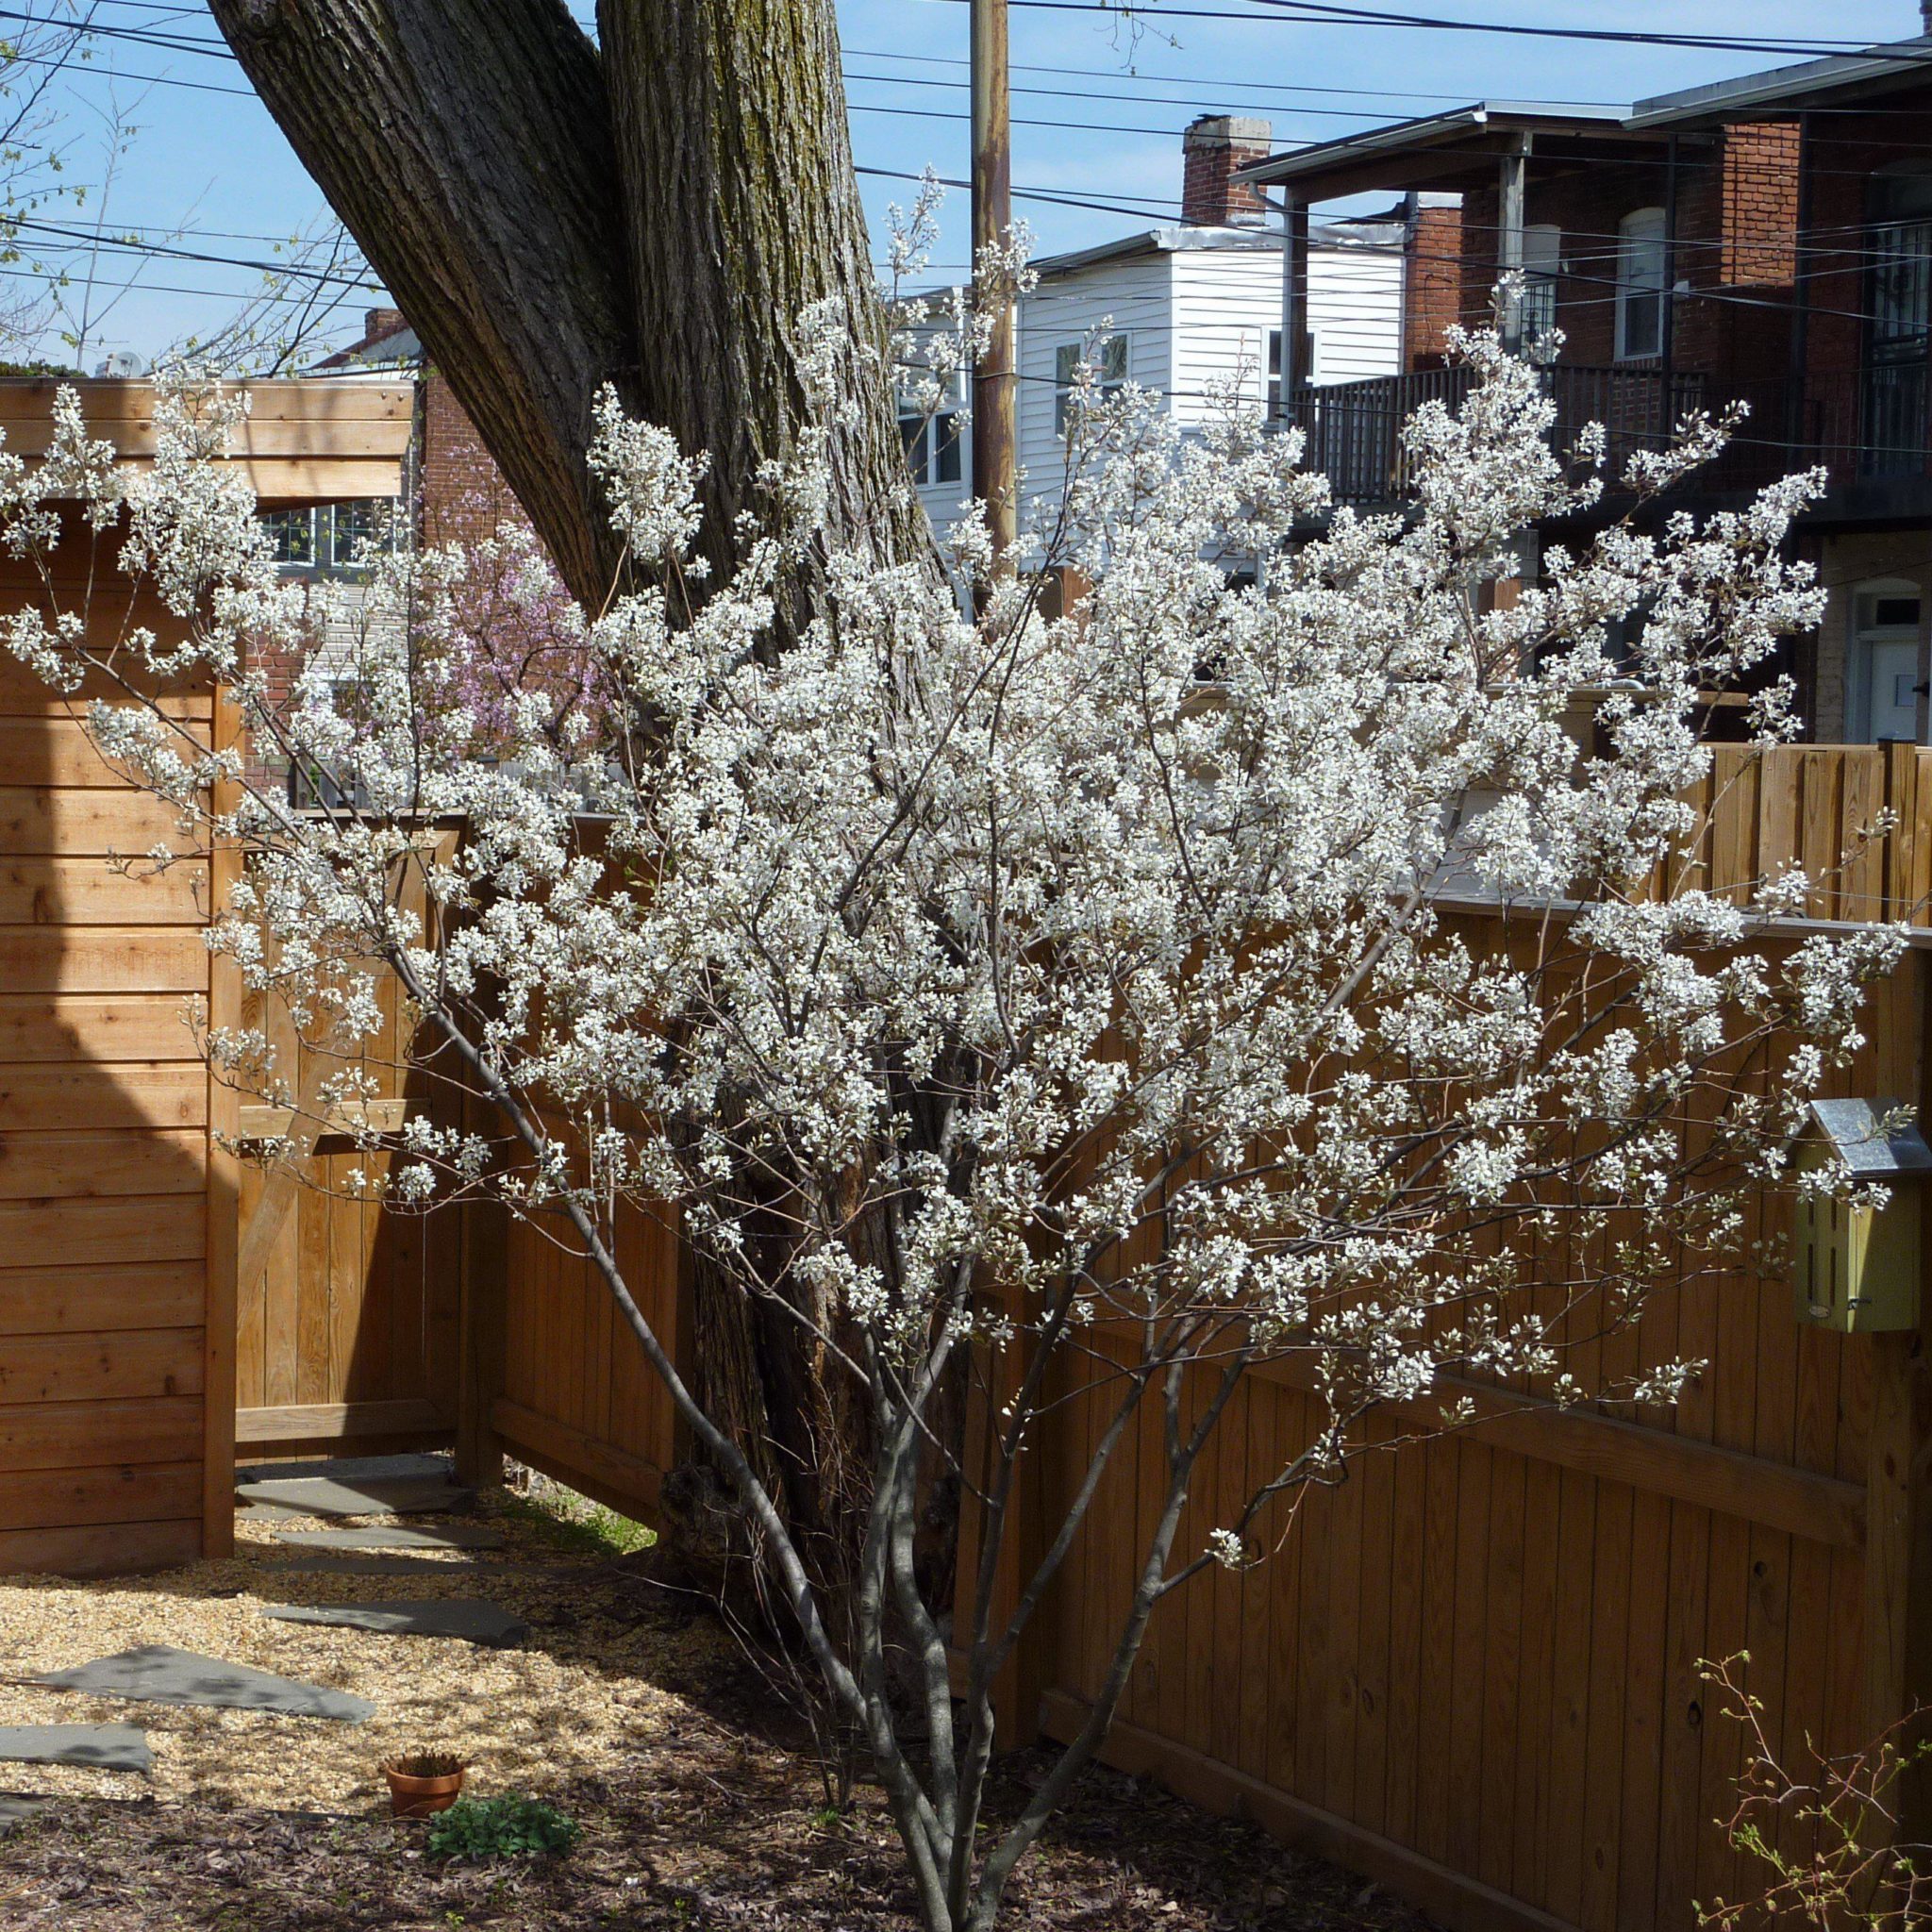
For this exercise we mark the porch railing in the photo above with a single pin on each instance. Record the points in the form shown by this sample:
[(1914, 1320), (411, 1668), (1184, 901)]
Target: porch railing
[(1857, 425)]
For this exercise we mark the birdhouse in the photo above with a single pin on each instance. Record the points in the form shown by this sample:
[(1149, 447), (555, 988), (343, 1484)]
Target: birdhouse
[(1857, 1269)]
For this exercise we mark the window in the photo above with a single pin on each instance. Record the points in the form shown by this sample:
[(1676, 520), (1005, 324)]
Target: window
[(1882, 677), (1640, 284), (312, 786), (1109, 365), (935, 444), (1543, 248), (1303, 376), (326, 536)]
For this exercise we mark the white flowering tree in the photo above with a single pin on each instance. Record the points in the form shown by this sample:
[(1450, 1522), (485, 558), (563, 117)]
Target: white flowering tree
[(1251, 964)]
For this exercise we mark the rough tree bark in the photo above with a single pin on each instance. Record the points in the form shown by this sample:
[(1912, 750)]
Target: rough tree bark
[(552, 215)]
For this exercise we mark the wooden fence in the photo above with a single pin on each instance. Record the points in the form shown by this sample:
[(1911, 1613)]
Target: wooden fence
[(1471, 1673)]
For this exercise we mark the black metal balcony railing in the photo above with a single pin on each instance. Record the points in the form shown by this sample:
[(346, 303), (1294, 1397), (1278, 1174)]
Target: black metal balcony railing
[(1859, 425)]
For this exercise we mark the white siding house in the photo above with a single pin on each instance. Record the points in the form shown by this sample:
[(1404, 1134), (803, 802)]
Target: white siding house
[(1192, 306)]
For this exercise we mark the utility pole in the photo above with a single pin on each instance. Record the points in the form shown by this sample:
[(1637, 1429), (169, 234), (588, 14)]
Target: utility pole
[(995, 480)]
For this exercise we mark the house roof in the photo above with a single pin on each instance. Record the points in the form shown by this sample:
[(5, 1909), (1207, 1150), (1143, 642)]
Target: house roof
[(1186, 238), (386, 342), (1452, 127), (1896, 63)]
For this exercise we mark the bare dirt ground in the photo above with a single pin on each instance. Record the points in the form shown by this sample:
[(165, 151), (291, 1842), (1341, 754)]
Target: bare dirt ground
[(637, 1718)]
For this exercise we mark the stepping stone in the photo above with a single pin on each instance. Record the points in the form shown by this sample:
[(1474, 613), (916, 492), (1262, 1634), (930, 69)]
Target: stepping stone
[(381, 1566), (159, 1674), (106, 1747), (472, 1620), (15, 1812), (453, 1536), (351, 1469), (378, 1496)]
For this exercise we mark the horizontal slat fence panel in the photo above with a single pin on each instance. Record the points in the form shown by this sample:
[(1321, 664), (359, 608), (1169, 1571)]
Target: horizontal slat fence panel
[(117, 1214)]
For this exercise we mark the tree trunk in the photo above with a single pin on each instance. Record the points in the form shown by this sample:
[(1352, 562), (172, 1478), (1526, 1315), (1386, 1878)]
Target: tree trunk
[(742, 210), (551, 217), (466, 145)]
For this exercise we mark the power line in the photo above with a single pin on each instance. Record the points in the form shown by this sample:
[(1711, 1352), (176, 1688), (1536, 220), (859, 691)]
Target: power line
[(1259, 87)]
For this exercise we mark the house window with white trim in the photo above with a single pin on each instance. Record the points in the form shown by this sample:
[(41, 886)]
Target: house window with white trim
[(1640, 284), (935, 444), (1109, 365), (1543, 249), (331, 536), (1304, 377)]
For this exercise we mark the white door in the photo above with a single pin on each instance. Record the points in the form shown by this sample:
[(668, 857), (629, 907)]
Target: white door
[(1894, 693)]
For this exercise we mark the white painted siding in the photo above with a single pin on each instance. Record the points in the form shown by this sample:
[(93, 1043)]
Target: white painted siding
[(1191, 316), (1225, 303), (1135, 295)]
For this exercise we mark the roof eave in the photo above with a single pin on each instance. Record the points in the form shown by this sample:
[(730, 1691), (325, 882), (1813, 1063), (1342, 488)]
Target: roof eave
[(1789, 87)]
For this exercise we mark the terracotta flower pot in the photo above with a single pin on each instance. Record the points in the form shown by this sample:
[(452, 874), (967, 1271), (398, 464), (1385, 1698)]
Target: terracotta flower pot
[(422, 1782)]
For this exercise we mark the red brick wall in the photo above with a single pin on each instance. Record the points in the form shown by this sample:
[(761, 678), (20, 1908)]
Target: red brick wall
[(1737, 198), (1432, 297), (462, 495)]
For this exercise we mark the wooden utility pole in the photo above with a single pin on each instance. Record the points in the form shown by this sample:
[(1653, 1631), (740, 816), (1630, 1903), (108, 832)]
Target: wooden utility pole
[(995, 479)]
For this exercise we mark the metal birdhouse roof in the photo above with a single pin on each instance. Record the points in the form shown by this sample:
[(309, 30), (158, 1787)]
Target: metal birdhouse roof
[(1858, 1139)]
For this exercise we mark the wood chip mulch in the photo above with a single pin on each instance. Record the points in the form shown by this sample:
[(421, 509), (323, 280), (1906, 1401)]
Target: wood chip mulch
[(636, 1718)]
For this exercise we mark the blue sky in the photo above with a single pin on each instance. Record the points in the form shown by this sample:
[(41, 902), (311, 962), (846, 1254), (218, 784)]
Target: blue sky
[(208, 173)]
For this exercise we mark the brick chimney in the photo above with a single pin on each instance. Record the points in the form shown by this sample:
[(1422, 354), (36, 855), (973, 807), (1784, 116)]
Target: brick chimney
[(377, 323), (1212, 149)]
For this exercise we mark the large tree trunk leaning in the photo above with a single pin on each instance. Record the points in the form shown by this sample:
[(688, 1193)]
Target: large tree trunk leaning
[(551, 217)]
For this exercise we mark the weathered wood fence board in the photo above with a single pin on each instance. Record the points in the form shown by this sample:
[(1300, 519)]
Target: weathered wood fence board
[(103, 1105)]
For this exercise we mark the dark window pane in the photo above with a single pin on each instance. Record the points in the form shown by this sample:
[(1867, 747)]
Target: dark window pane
[(292, 534), (946, 430), (355, 525)]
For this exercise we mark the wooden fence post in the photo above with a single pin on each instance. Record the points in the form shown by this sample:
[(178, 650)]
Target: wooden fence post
[(223, 1185), (483, 1289)]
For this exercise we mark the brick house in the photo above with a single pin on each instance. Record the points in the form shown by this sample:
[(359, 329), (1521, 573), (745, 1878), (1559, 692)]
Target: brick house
[(1765, 241), (452, 490), (1854, 393)]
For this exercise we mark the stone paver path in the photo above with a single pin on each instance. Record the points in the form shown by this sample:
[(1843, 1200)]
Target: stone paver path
[(15, 1812), (454, 1536), (159, 1673), (471, 1619), (106, 1747), (406, 1496)]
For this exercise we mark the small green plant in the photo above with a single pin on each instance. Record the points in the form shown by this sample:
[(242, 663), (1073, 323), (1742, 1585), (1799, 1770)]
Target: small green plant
[(505, 1827)]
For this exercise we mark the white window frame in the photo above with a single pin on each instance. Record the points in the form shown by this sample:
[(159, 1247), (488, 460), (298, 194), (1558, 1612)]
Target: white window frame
[(931, 441), (1067, 358), (1542, 261), (1862, 633), (323, 538), (1306, 378), (1641, 272)]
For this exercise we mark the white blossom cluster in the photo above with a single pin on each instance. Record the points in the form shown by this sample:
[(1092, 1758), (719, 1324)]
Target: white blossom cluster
[(1261, 965)]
